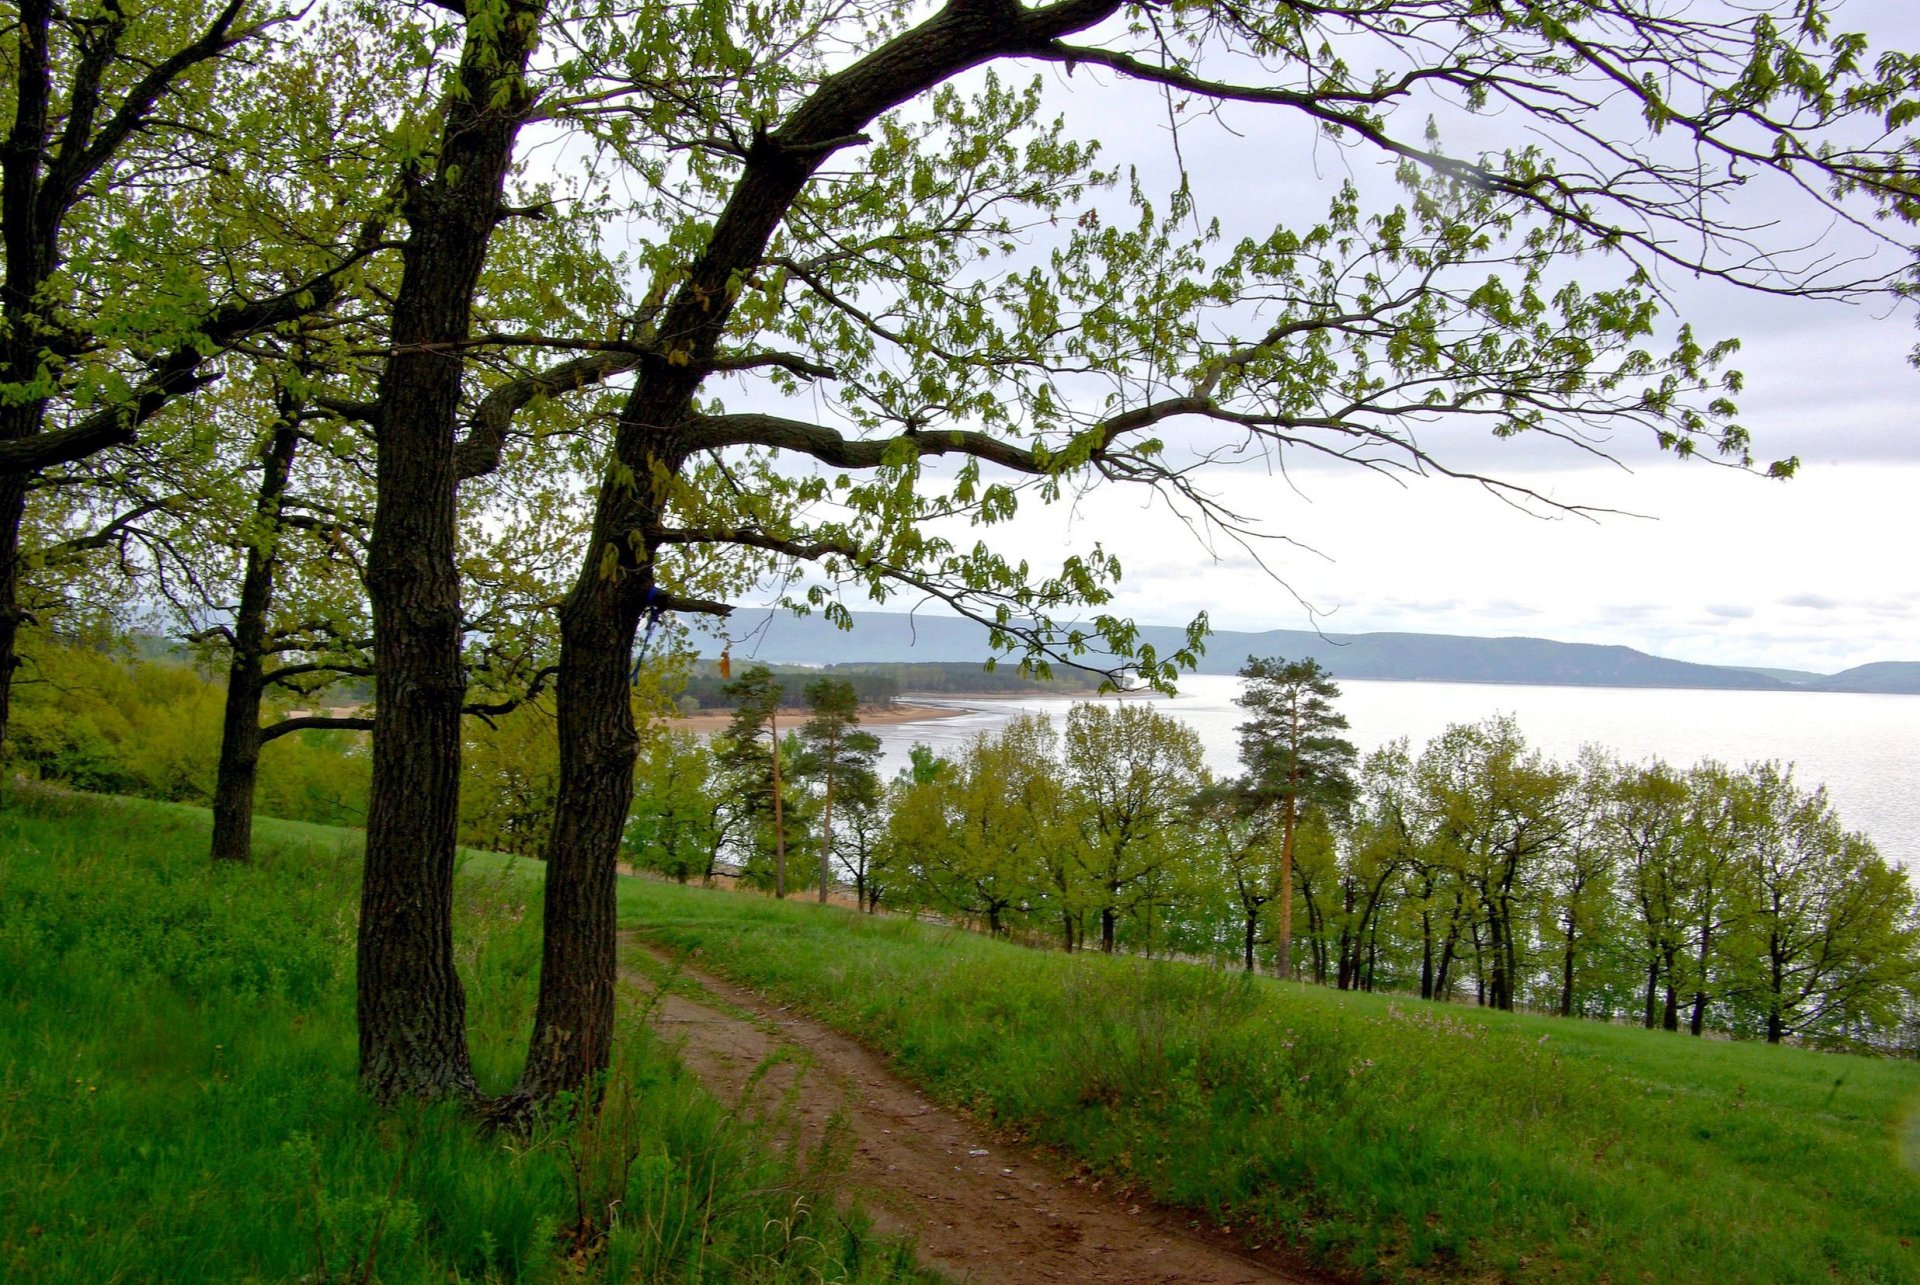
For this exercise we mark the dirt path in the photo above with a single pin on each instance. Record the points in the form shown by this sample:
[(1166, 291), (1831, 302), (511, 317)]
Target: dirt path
[(980, 1209)]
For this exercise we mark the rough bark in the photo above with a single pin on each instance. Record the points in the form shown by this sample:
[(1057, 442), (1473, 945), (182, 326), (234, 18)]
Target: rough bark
[(240, 740), (778, 166), (412, 1008), (31, 240), (573, 1021), (13, 506)]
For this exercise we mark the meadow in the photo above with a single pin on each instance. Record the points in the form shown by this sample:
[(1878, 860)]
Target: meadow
[(178, 1102), (1389, 1137), (177, 1097)]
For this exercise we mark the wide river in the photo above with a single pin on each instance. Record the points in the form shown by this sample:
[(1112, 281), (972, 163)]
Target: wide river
[(1864, 749)]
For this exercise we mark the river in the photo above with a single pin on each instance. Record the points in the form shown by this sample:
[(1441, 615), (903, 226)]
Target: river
[(1864, 749)]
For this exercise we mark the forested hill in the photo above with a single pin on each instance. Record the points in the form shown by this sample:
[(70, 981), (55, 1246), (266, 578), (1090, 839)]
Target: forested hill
[(1446, 658)]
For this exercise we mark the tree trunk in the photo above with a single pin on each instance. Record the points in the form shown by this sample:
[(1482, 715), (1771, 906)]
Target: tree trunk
[(1107, 918), (826, 840), (1670, 1012), (1426, 955), (1776, 1027), (1653, 983), (1283, 933), (234, 780), (779, 817), (1497, 993), (573, 1018), (1373, 951), (1696, 1024), (1566, 979), (1253, 922), (412, 1008), (13, 507)]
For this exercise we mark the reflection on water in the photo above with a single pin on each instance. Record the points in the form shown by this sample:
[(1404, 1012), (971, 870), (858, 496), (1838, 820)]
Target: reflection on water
[(1865, 749)]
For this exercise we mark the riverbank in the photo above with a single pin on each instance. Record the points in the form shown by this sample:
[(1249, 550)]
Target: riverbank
[(708, 721)]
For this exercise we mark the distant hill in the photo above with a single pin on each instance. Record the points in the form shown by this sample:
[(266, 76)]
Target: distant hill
[(1896, 676), (879, 636)]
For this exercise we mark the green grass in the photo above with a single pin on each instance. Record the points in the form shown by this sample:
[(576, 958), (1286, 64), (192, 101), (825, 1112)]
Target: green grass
[(1390, 1137), (177, 1096)]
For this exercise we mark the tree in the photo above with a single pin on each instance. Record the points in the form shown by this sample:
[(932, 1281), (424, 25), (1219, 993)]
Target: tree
[(1243, 847), (134, 254), (1826, 943), (1134, 774), (836, 752), (1645, 821), (804, 228), (750, 753), (1578, 879), (1719, 825), (1384, 843), (411, 1007), (862, 849), (1294, 759), (680, 820), (1502, 811)]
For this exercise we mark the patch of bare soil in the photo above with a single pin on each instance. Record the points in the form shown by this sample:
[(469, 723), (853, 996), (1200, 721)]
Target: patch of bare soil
[(980, 1209)]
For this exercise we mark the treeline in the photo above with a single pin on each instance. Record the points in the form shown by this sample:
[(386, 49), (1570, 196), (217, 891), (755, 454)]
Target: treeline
[(704, 687), (964, 678), (1476, 869), (878, 684)]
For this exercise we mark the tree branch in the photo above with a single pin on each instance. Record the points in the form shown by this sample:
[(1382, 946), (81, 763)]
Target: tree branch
[(313, 722)]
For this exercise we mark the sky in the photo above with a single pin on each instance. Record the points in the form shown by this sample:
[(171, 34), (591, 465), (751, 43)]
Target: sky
[(1701, 562), (1696, 561)]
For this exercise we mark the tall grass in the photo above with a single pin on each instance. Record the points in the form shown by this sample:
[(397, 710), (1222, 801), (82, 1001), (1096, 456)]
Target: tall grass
[(177, 1096), (1395, 1138)]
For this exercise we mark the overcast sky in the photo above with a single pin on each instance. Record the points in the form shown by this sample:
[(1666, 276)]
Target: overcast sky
[(1819, 572)]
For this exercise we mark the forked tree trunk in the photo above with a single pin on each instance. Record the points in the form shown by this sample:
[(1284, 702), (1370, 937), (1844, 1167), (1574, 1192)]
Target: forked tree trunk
[(412, 1008)]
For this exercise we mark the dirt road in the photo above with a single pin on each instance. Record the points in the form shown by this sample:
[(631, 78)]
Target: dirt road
[(980, 1209)]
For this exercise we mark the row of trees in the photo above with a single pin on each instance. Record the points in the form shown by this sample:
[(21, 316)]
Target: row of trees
[(1704, 898), (307, 341)]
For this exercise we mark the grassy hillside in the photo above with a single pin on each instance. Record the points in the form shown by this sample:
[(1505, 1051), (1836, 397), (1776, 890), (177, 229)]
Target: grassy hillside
[(1397, 1138), (177, 1101), (177, 1098)]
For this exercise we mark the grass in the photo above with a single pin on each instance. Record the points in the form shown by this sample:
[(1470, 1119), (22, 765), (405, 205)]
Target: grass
[(177, 1096), (1388, 1137)]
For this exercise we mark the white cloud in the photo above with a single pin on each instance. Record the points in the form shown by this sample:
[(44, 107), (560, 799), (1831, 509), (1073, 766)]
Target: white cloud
[(1813, 573)]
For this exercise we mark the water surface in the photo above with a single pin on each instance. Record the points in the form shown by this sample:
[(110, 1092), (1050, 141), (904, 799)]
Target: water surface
[(1864, 748)]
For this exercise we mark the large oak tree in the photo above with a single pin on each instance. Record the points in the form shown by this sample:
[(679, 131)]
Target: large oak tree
[(852, 202)]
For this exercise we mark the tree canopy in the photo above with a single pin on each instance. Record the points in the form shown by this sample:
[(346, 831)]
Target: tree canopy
[(760, 270)]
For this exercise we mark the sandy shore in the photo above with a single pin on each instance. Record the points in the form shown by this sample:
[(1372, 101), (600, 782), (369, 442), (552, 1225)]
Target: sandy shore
[(901, 711)]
